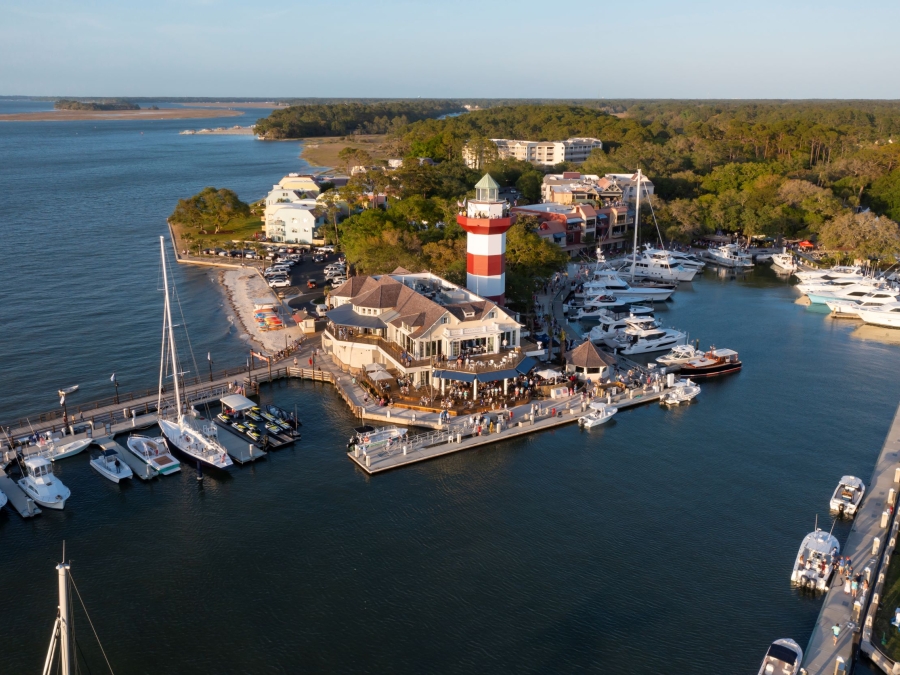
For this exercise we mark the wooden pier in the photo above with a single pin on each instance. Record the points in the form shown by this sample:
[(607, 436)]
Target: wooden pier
[(873, 531), (17, 498), (140, 469)]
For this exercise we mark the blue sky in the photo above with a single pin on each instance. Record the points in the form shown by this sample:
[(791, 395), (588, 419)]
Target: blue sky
[(474, 48)]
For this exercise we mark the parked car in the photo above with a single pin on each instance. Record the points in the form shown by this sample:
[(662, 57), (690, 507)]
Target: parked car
[(279, 283), (337, 281), (311, 283), (321, 310), (319, 258)]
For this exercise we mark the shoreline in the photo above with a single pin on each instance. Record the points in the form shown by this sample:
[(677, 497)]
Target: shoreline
[(82, 115), (242, 287)]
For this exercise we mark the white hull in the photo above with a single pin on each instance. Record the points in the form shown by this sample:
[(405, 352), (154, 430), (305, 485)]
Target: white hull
[(54, 452), (848, 496), (48, 500), (815, 549), (3, 499), (195, 445), (623, 346), (108, 469), (680, 394), (846, 308), (876, 317), (154, 452)]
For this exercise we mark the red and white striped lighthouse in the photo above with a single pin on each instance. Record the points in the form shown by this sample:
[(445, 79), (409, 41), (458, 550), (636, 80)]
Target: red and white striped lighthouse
[(486, 221)]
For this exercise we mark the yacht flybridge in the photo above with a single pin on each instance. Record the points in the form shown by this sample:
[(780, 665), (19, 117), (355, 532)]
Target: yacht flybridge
[(191, 437)]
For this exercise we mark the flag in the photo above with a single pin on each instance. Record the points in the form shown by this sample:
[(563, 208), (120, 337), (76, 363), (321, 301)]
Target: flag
[(62, 399), (112, 378), (208, 357)]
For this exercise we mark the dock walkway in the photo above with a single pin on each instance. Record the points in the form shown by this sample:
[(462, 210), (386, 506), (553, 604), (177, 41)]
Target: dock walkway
[(17, 498), (871, 522)]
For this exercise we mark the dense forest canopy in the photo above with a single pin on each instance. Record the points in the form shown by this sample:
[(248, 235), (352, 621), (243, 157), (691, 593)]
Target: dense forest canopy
[(302, 121), (106, 104)]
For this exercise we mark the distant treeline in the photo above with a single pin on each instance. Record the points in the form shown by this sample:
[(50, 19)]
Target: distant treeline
[(109, 104), (341, 119)]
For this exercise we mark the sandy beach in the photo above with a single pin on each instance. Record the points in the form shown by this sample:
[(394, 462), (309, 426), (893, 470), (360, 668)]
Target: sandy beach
[(243, 287), (230, 131), (80, 115)]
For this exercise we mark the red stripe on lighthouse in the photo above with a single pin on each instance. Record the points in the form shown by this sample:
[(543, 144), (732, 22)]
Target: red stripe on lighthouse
[(485, 265)]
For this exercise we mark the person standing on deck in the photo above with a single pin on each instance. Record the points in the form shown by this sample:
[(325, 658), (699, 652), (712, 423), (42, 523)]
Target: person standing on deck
[(836, 629)]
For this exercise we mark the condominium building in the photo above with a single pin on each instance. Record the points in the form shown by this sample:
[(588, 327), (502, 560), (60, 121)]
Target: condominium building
[(572, 187), (544, 153)]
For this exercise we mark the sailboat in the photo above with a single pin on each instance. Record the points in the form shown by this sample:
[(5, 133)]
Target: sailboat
[(197, 442)]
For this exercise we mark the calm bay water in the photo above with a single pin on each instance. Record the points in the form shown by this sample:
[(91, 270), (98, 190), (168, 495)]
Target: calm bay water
[(660, 543)]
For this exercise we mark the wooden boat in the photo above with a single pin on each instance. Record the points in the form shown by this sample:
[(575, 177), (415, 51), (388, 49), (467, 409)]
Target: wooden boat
[(712, 363)]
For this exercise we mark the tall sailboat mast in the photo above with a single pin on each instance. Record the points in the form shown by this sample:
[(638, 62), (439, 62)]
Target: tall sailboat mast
[(168, 318), (637, 218)]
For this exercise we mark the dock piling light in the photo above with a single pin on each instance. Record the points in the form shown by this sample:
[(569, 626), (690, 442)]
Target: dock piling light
[(840, 668), (891, 495), (876, 544), (404, 449), (897, 475), (884, 517), (868, 573), (368, 460), (670, 379)]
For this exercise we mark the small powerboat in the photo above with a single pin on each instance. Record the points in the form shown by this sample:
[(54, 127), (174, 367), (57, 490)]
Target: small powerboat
[(54, 449), (600, 413), (154, 452), (847, 496), (813, 565), (367, 438), (684, 391), (783, 658), (41, 485), (107, 463)]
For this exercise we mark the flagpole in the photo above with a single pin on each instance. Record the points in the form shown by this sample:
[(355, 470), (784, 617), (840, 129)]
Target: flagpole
[(116, 384), (209, 360)]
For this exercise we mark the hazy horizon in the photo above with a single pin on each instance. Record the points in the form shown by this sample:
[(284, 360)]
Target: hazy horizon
[(697, 49)]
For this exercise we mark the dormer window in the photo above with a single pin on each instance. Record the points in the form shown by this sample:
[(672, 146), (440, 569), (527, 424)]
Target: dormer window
[(468, 313), (491, 314)]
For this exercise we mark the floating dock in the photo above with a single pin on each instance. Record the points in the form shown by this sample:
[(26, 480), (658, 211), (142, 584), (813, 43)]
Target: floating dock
[(873, 521), (140, 469), (240, 450), (17, 498)]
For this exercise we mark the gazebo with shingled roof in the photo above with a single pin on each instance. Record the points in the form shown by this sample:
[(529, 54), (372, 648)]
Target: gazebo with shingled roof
[(589, 363)]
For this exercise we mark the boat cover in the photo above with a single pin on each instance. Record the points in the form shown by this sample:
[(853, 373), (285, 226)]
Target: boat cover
[(782, 653), (237, 402)]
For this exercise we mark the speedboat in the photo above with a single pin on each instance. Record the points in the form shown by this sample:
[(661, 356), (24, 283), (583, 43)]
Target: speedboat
[(679, 354), (887, 315), (154, 452), (684, 391), (600, 414), (785, 262), (850, 307), (712, 363), (53, 449), (847, 496), (107, 464), (729, 255), (367, 438), (41, 485), (644, 335), (813, 564), (783, 658)]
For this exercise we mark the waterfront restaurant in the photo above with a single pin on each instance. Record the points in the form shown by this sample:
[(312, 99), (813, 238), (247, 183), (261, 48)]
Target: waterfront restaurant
[(420, 327)]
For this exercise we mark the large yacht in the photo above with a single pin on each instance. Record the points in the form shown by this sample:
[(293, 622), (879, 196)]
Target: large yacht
[(686, 260), (729, 255), (599, 312), (850, 308), (654, 264), (642, 335), (887, 315), (821, 294), (836, 272), (608, 282)]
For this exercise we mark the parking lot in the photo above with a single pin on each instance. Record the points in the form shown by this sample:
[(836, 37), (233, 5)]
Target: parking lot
[(301, 273)]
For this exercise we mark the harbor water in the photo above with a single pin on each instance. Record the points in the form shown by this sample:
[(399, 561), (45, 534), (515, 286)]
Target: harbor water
[(659, 543)]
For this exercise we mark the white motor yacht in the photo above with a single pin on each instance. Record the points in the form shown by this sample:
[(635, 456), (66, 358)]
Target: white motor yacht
[(41, 485), (687, 260), (613, 311), (783, 658), (368, 439), (836, 272), (643, 335), (600, 413), (847, 496), (611, 325), (812, 566), (729, 255), (850, 308), (154, 452), (821, 294), (653, 264), (615, 285), (679, 354), (199, 443), (784, 262), (107, 463), (887, 315), (684, 391)]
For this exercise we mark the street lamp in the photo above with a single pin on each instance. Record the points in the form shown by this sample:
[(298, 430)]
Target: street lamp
[(210, 361)]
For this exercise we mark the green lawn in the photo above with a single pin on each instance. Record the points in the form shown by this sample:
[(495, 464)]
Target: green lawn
[(890, 601), (242, 229)]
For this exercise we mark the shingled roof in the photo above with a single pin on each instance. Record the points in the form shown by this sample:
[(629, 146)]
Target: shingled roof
[(586, 355)]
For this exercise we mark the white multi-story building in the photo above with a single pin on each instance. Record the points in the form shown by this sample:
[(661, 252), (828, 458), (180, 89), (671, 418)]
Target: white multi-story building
[(545, 153), (293, 222)]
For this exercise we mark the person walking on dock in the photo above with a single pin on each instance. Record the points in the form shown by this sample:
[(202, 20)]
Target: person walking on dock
[(836, 629)]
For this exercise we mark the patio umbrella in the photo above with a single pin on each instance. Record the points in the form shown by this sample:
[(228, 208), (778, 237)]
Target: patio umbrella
[(548, 373), (372, 367), (379, 375)]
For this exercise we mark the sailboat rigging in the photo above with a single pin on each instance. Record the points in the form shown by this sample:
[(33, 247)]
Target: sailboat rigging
[(200, 444)]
